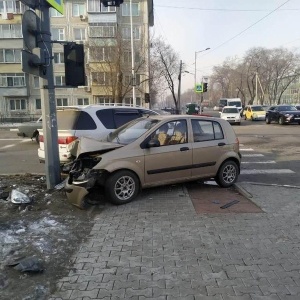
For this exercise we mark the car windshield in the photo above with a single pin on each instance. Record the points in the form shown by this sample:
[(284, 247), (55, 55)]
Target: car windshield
[(234, 103), (131, 131), (286, 108), (230, 110), (257, 108)]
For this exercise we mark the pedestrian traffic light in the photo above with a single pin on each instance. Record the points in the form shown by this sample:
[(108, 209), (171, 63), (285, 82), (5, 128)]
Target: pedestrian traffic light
[(111, 2), (74, 64), (205, 87)]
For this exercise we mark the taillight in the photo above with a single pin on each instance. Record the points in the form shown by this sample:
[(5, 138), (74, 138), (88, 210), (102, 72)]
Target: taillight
[(66, 140)]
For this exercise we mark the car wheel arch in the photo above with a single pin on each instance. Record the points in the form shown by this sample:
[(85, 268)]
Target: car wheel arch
[(234, 159)]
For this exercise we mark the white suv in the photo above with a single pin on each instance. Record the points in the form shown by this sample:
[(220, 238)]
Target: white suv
[(94, 121)]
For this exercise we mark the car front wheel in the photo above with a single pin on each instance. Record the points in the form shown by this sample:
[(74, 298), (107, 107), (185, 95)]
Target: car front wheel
[(227, 174), (268, 120), (281, 121), (122, 187)]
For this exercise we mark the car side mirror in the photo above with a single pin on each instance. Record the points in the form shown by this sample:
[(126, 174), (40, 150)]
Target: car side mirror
[(153, 143)]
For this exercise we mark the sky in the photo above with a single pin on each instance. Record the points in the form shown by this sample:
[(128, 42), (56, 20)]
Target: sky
[(228, 27)]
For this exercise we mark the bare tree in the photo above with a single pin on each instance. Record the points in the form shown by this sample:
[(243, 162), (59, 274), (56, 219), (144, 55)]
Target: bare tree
[(110, 66), (165, 66)]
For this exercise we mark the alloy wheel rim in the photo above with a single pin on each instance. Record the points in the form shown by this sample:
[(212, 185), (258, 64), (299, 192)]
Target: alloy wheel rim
[(229, 174), (124, 188)]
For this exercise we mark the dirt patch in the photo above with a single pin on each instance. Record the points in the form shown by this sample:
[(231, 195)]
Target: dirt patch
[(210, 198), (48, 228)]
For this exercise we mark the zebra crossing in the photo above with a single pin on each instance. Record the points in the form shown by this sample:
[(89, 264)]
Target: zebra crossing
[(256, 163)]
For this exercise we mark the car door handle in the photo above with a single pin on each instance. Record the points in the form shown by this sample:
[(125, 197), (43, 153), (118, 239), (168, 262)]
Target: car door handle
[(221, 144), (184, 149)]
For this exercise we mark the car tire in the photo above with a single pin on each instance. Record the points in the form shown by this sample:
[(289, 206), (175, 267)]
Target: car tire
[(227, 174), (281, 121), (252, 118), (268, 120), (245, 117), (122, 187), (37, 138)]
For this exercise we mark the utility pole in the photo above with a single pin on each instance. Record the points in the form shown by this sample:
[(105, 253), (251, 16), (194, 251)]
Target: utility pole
[(255, 101), (37, 60), (179, 89), (132, 58), (52, 164)]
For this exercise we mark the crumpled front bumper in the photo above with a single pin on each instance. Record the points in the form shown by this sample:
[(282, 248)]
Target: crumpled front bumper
[(76, 191)]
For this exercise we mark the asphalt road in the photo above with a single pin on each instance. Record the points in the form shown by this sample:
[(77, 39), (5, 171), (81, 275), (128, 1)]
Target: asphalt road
[(270, 153)]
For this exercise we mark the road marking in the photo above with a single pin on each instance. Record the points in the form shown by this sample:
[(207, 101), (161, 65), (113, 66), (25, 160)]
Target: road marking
[(253, 155), (259, 162), (247, 149), (269, 171), (12, 145), (21, 140)]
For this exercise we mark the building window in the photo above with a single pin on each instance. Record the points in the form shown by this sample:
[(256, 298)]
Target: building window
[(58, 58), (79, 34), (94, 5), (38, 104), (126, 9), (128, 79), (104, 100), (54, 13), (10, 31), (78, 9), (62, 101), (100, 53), (58, 34), (101, 78), (11, 6), (60, 80), (36, 82), (12, 80), (83, 101), (17, 104), (126, 33), (129, 102), (10, 56), (101, 31), (108, 8), (127, 56)]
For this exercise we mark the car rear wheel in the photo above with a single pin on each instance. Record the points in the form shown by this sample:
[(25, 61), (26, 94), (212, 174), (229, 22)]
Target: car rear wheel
[(281, 121), (227, 174), (122, 187), (268, 120)]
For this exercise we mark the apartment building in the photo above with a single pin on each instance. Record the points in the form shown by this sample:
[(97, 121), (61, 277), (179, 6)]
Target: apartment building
[(105, 33)]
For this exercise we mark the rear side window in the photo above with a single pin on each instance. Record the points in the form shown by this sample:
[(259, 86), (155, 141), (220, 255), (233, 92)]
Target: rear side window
[(124, 116), (74, 120), (114, 118), (85, 122), (206, 130)]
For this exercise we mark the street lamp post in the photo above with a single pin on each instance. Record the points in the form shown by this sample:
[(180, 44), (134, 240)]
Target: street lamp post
[(195, 76), (132, 58)]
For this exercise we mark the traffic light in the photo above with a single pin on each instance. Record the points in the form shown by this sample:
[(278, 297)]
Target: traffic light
[(74, 64), (111, 3), (31, 54), (205, 87), (147, 98)]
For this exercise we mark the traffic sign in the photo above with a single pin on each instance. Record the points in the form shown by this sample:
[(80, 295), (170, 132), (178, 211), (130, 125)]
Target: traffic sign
[(57, 4), (198, 88)]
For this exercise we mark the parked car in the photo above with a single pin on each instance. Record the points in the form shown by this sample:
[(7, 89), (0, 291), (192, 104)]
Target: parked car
[(297, 106), (255, 112), (231, 114), (153, 151), (283, 114), (30, 129), (94, 121)]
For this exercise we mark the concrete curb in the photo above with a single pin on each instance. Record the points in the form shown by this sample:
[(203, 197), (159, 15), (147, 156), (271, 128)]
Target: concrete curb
[(242, 191)]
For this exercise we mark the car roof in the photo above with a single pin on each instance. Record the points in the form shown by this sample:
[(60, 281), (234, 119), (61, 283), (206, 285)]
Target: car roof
[(230, 107), (96, 106)]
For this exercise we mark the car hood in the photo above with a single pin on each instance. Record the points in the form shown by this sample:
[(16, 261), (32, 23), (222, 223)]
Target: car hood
[(85, 145), (291, 112)]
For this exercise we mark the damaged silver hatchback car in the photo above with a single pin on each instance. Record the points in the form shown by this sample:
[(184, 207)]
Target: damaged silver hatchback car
[(153, 151)]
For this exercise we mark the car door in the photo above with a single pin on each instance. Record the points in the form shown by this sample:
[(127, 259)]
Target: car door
[(172, 161), (208, 147), (271, 113)]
